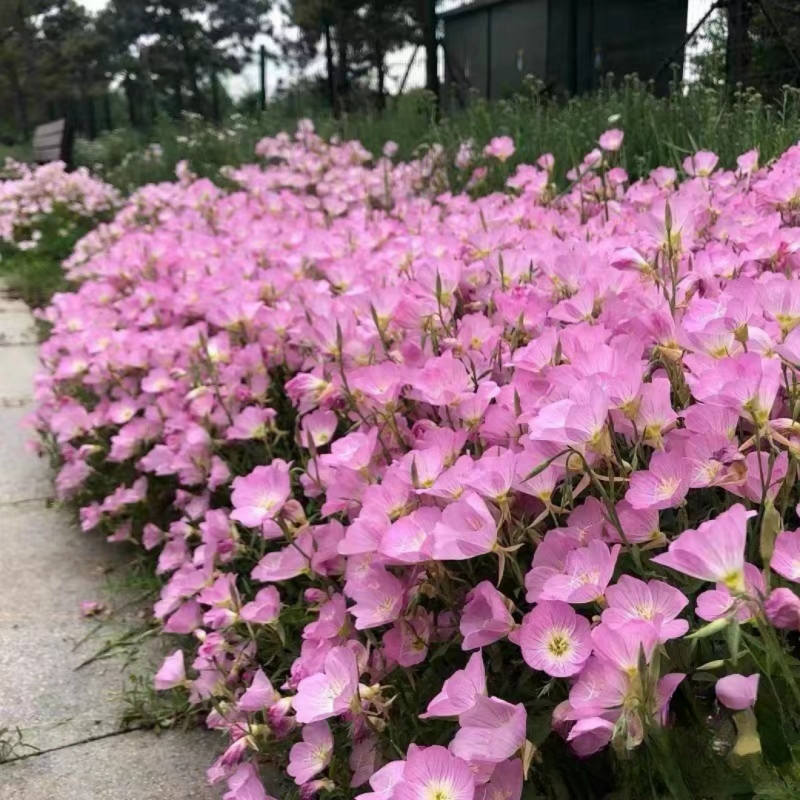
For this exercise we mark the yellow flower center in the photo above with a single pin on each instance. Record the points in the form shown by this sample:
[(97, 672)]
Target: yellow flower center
[(666, 488), (558, 644)]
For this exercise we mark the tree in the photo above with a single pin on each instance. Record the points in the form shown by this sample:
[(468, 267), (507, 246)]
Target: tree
[(51, 54), (355, 36), (708, 62), (775, 31), (173, 47), (17, 38), (761, 49), (73, 60)]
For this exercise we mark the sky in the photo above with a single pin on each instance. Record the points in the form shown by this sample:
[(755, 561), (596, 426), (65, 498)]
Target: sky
[(397, 62)]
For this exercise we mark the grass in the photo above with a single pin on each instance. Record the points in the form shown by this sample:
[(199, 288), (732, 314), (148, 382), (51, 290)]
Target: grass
[(659, 131), (35, 275)]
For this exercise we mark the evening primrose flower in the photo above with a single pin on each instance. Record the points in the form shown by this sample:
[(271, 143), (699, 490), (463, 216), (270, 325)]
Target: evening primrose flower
[(714, 551), (737, 692), (433, 773), (554, 638), (501, 148), (309, 757)]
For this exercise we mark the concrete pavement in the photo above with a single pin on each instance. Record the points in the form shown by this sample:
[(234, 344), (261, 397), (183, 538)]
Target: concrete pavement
[(47, 567)]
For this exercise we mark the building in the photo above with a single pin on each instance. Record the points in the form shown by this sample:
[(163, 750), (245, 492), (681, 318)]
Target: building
[(491, 45)]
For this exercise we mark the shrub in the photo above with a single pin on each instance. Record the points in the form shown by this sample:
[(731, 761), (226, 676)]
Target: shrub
[(458, 497), (44, 211)]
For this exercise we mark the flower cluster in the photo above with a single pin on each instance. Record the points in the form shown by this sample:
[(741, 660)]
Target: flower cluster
[(31, 194), (423, 470)]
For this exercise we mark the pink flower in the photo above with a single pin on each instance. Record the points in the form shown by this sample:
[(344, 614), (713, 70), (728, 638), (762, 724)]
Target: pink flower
[(600, 688), (485, 618), (172, 672), (501, 148), (492, 730), (737, 692), (549, 559), (459, 690), (586, 574), (663, 485), (465, 154), (576, 422), (748, 162), (250, 424), (701, 164), (244, 784), (259, 496), (505, 783), (259, 695), (590, 735), (363, 761), (91, 608), (718, 602), (289, 562), (264, 609), (555, 639), (309, 757), (621, 646), (655, 602), (611, 140), (467, 529), (747, 383), (492, 476), (786, 555), (713, 552), (432, 772), (328, 693), (409, 539), (783, 609), (384, 781), (379, 599), (407, 641)]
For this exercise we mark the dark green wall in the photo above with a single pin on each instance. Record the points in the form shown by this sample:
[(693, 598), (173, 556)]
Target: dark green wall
[(518, 44), (639, 36), (571, 44), (467, 44)]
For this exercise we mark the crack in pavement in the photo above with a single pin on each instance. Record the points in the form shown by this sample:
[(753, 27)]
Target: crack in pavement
[(24, 500), (87, 740)]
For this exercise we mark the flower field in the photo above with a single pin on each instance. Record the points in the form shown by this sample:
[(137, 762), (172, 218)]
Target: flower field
[(454, 496)]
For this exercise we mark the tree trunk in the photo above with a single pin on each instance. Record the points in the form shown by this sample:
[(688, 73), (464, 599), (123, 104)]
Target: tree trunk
[(189, 63), (431, 46), (380, 66), (738, 50), (178, 89), (342, 79), (20, 102), (333, 97)]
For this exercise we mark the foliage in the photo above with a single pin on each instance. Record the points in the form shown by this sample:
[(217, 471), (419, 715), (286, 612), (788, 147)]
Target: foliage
[(659, 131), (43, 213), (52, 56), (357, 37), (525, 459), (173, 49)]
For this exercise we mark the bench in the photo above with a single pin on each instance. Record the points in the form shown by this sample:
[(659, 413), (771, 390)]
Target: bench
[(53, 142)]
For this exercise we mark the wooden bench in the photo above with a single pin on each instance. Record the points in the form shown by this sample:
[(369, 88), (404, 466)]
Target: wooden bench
[(53, 142)]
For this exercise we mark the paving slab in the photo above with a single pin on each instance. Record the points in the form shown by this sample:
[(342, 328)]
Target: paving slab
[(23, 475), (11, 305), (18, 366), (17, 328), (131, 766), (47, 567), (51, 702)]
